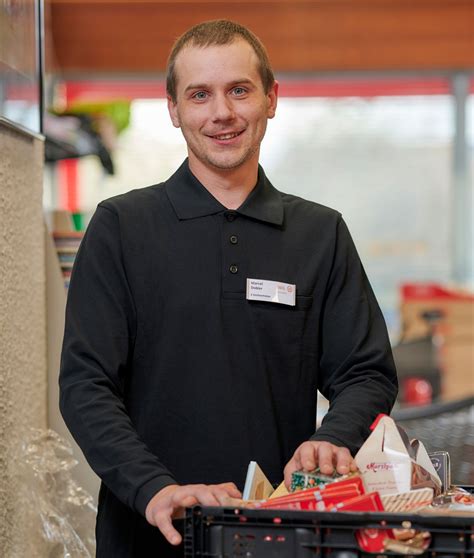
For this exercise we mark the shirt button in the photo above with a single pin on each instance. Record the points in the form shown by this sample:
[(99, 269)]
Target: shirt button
[(233, 268), (233, 239), (230, 217)]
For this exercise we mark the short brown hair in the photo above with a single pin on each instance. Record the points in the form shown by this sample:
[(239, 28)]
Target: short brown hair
[(218, 32)]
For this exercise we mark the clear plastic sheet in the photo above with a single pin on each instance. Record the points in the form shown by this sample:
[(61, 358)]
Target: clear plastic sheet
[(58, 507)]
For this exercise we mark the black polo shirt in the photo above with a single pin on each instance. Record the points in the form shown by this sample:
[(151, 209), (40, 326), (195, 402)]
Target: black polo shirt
[(169, 374)]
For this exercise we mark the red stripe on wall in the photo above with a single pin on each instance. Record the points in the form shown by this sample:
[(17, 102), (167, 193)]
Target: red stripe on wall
[(108, 90), (68, 185)]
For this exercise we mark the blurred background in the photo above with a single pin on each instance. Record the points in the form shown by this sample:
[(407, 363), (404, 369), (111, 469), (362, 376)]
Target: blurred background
[(375, 119)]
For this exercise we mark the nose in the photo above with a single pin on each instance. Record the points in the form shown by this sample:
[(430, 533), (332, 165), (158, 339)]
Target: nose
[(222, 109)]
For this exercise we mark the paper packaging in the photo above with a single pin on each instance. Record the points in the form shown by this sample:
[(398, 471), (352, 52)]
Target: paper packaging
[(367, 502), (301, 480), (352, 483), (408, 501), (316, 499), (319, 500), (389, 463), (257, 486)]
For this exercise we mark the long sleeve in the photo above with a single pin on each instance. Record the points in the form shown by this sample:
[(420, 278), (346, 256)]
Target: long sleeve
[(96, 363), (357, 372)]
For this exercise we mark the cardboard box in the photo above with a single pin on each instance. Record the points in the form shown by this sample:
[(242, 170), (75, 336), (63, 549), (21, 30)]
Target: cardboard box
[(457, 369), (455, 308), (453, 331)]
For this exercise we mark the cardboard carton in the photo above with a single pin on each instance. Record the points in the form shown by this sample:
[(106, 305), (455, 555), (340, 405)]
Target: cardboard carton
[(454, 307), (453, 331)]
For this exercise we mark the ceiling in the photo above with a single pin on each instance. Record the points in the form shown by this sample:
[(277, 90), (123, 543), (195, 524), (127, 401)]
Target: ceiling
[(134, 37)]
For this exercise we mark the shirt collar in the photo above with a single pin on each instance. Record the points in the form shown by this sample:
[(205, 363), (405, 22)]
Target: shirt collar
[(190, 199)]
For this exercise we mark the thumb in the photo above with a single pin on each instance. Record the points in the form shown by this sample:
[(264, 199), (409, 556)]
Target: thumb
[(289, 469)]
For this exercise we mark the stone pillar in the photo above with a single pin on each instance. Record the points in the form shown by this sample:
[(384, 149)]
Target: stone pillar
[(23, 384)]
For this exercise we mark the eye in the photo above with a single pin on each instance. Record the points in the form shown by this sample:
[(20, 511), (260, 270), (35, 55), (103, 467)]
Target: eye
[(239, 91), (200, 95)]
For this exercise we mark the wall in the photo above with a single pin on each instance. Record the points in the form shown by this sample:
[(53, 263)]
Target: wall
[(22, 331), (56, 304)]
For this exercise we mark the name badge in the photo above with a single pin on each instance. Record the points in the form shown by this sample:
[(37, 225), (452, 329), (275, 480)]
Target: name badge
[(271, 291)]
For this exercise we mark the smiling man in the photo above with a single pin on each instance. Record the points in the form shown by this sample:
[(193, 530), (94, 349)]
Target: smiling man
[(204, 314), (222, 108)]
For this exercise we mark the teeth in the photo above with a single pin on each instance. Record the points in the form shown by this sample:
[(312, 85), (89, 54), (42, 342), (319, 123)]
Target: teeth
[(227, 136)]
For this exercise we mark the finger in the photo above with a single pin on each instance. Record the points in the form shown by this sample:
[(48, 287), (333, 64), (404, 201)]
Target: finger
[(309, 455), (205, 496), (294, 464), (326, 458), (288, 471), (188, 501), (181, 497), (222, 495), (343, 461), (231, 489), (227, 493), (227, 501), (354, 467), (181, 504), (297, 460), (164, 524)]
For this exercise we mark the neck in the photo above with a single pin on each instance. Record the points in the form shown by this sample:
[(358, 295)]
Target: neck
[(230, 187)]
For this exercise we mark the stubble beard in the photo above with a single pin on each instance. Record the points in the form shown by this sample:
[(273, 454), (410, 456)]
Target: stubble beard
[(224, 161), (227, 162)]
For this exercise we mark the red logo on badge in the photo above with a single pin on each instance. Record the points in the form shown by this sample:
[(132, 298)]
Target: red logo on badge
[(289, 289)]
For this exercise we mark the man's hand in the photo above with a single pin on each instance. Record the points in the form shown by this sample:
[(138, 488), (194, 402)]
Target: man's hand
[(169, 503), (324, 455)]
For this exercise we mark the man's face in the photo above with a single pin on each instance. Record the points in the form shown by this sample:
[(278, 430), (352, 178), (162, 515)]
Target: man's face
[(221, 106)]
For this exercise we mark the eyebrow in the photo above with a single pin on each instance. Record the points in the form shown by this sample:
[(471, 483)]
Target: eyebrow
[(243, 81)]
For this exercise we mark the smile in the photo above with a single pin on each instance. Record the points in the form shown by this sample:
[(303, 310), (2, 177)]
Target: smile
[(228, 136)]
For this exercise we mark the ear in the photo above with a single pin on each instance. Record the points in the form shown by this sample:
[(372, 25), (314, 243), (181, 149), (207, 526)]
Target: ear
[(272, 98), (173, 111)]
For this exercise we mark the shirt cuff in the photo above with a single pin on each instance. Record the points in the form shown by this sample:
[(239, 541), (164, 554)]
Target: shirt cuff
[(149, 489)]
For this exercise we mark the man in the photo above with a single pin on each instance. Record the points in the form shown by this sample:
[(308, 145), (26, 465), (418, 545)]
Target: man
[(205, 312)]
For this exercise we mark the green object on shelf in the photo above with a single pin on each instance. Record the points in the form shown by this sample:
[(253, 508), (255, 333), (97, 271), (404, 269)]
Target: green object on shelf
[(78, 220), (118, 111)]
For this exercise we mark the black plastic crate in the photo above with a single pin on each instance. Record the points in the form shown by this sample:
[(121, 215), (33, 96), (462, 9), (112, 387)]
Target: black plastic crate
[(241, 533)]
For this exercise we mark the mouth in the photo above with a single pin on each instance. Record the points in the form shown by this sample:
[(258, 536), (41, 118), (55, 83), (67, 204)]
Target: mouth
[(227, 136)]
